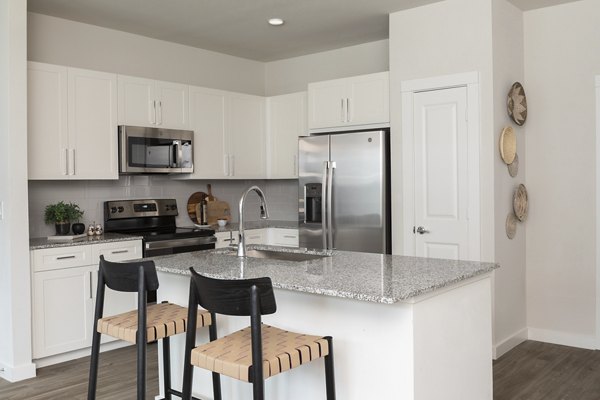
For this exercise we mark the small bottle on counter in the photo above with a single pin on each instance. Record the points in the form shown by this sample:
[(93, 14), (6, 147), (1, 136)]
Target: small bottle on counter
[(91, 230)]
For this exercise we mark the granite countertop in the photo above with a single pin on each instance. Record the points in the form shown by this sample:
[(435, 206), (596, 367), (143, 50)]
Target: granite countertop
[(264, 223), (369, 277), (44, 243)]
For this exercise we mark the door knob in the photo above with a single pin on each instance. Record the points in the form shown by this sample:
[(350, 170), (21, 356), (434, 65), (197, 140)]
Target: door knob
[(421, 230)]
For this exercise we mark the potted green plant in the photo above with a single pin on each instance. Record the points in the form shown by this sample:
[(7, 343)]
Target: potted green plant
[(61, 214)]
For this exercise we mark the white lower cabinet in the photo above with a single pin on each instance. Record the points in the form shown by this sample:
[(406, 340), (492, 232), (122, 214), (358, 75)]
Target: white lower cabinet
[(64, 294), (283, 237), (269, 236)]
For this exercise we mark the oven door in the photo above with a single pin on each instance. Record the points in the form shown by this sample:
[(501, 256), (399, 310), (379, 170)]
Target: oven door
[(175, 246), (153, 150)]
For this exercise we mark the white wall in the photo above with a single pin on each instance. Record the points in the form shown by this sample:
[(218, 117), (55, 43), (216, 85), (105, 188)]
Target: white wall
[(15, 338), (457, 36), (453, 36), (60, 41), (294, 74), (561, 60), (509, 283), (282, 197)]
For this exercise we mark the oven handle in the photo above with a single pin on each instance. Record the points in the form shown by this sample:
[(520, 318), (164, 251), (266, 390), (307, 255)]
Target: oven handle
[(170, 244)]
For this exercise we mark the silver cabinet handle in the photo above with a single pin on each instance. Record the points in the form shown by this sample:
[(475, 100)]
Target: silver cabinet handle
[(153, 113), (295, 166), (119, 251), (65, 257), (229, 240), (232, 165), (290, 236), (73, 161), (91, 288), (159, 113), (421, 230), (66, 161), (226, 164), (343, 111), (348, 112)]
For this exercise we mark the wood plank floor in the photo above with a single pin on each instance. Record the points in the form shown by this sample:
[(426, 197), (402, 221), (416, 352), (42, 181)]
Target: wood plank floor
[(543, 371), (69, 380), (531, 371)]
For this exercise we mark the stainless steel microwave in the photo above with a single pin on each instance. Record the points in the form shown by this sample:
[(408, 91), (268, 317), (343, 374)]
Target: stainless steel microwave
[(155, 150)]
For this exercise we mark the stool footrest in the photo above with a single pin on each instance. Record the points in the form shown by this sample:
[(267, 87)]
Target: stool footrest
[(178, 393)]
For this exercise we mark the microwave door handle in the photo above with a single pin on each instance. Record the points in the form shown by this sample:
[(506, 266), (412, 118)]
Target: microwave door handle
[(175, 161)]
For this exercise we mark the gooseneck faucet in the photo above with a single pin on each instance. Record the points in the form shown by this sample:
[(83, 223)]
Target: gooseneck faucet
[(264, 214)]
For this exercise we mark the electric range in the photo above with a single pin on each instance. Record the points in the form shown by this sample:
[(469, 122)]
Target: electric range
[(154, 220)]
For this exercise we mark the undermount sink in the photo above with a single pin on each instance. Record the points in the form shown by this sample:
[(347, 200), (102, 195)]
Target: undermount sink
[(281, 255)]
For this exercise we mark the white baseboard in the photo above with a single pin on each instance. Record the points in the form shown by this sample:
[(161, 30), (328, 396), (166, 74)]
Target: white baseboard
[(72, 355), (562, 338), (509, 343), (17, 373)]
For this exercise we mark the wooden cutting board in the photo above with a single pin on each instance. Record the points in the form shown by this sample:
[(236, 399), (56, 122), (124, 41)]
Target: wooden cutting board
[(193, 205), (217, 210)]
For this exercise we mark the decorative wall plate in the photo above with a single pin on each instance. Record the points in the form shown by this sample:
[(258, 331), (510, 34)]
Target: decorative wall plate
[(508, 145), (521, 203), (513, 167), (511, 225), (517, 104)]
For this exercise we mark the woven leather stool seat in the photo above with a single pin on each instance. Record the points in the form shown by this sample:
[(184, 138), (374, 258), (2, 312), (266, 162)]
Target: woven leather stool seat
[(163, 320), (282, 350)]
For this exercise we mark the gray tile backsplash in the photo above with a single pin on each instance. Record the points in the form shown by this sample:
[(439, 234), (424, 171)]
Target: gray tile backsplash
[(90, 195)]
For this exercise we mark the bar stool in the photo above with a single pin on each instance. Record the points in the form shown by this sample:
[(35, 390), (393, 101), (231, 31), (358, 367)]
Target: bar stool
[(160, 320), (233, 355)]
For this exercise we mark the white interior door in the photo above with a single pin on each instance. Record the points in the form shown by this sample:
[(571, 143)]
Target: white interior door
[(441, 174)]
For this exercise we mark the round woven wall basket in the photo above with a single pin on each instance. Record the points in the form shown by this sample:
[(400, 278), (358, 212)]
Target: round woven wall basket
[(521, 203), (508, 145)]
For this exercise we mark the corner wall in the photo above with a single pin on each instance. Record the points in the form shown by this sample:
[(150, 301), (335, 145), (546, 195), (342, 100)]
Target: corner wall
[(509, 284), (561, 61), (15, 300)]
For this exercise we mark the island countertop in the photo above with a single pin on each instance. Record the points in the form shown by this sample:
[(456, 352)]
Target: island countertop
[(369, 277)]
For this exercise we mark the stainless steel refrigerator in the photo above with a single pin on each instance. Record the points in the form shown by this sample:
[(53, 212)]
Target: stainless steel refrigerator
[(344, 191)]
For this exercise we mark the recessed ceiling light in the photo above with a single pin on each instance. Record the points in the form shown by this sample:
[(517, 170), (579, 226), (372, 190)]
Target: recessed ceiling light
[(276, 21)]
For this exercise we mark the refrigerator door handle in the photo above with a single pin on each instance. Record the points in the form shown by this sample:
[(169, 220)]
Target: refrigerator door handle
[(330, 204), (324, 203)]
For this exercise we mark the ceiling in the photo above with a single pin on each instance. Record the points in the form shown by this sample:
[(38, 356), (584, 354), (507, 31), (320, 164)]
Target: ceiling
[(239, 27)]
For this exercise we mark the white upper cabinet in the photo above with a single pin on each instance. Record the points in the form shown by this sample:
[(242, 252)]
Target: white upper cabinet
[(47, 121), (229, 134), (207, 119), (246, 133), (355, 101), (72, 125), (147, 102), (92, 125), (286, 116)]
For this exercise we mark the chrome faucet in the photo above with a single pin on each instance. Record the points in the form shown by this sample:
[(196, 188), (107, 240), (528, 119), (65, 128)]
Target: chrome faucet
[(264, 214)]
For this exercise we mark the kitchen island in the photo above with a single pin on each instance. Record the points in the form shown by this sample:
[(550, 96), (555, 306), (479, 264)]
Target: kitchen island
[(403, 327)]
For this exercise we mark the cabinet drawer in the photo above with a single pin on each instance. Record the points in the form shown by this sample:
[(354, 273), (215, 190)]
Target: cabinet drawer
[(117, 251), (283, 237), (255, 236), (61, 257)]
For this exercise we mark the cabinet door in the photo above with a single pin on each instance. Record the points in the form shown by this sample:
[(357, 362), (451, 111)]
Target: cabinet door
[(92, 125), (137, 101), (62, 309), (287, 121), (207, 118), (246, 131), (172, 107), (47, 121), (369, 99), (327, 104)]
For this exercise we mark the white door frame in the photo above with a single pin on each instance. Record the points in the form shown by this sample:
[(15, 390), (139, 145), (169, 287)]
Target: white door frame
[(597, 211), (469, 80)]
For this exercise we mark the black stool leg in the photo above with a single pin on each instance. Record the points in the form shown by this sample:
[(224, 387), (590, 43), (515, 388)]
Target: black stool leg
[(212, 334), (329, 375), (166, 343), (94, 365), (141, 369)]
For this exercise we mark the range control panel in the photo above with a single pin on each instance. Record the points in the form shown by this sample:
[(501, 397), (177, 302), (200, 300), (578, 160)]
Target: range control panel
[(140, 208)]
